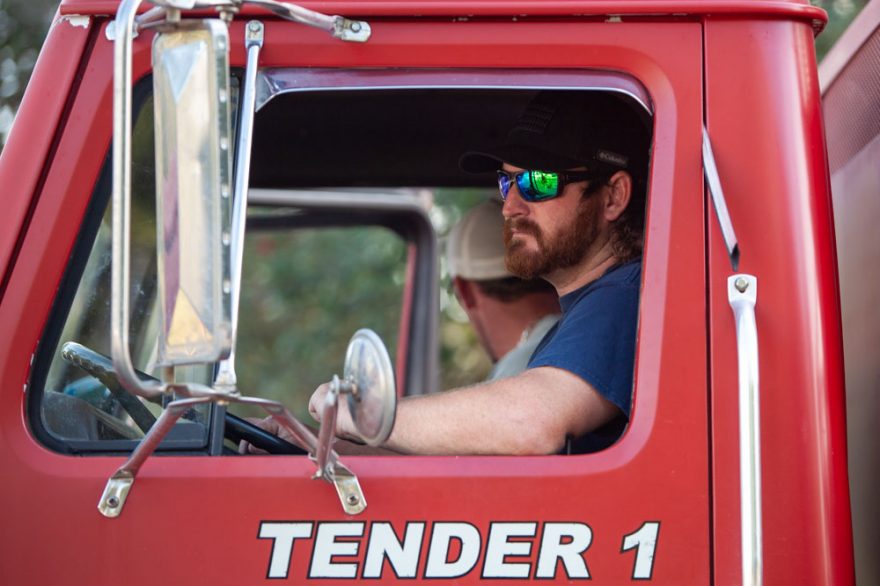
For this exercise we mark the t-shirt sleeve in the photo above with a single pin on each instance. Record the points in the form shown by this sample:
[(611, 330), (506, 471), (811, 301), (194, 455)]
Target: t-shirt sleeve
[(596, 341)]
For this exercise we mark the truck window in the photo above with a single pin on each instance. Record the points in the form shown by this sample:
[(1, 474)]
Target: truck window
[(309, 274), (388, 137), (314, 271), (82, 406)]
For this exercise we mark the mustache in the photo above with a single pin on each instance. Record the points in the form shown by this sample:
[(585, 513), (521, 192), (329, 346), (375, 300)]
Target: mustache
[(521, 225)]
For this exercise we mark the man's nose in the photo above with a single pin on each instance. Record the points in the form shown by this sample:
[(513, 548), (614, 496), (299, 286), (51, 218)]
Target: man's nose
[(514, 204)]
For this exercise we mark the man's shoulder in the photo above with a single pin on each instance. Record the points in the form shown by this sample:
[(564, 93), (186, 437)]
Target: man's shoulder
[(624, 279), (627, 274)]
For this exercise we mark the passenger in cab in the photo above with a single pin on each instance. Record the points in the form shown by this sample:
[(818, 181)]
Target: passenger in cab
[(510, 315), (571, 174)]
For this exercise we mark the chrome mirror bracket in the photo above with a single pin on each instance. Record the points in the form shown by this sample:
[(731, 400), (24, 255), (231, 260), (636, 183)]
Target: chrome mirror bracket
[(226, 378), (119, 485), (345, 29), (166, 16), (349, 490), (115, 493)]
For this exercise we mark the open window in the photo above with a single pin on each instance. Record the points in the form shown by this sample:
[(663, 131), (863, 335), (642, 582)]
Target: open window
[(387, 130)]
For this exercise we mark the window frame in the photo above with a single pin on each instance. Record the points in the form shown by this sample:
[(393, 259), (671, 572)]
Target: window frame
[(419, 369)]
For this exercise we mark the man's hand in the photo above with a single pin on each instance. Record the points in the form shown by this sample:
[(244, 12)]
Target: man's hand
[(268, 424), (344, 425)]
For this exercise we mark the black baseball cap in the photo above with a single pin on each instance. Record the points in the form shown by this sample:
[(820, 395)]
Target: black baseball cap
[(562, 130)]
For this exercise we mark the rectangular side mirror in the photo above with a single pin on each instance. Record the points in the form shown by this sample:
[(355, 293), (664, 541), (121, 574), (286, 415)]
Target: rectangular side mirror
[(193, 191)]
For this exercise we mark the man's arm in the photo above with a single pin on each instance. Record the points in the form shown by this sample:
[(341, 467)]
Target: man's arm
[(528, 414)]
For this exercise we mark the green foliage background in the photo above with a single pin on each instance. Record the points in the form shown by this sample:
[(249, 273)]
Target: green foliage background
[(305, 292), (840, 14)]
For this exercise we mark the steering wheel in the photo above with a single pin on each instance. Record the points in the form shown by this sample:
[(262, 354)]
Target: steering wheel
[(235, 429)]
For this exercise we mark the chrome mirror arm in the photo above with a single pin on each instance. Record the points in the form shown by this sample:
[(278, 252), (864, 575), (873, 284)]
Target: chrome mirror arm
[(226, 378), (356, 31), (121, 246), (122, 33), (119, 485)]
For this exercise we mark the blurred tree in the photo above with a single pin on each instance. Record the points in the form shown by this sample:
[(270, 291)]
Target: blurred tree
[(304, 293), (840, 14)]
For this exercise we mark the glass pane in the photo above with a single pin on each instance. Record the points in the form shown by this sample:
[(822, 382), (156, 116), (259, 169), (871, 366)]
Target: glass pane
[(305, 291), (76, 405)]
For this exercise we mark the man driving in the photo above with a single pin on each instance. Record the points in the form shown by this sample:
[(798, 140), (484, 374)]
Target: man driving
[(571, 176)]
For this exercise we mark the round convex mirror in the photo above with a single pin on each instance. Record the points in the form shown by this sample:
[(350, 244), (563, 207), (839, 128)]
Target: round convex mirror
[(373, 405)]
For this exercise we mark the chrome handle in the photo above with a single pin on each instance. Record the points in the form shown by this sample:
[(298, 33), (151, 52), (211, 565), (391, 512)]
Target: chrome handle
[(742, 294)]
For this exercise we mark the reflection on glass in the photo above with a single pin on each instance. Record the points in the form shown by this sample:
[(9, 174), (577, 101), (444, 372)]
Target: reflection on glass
[(77, 406)]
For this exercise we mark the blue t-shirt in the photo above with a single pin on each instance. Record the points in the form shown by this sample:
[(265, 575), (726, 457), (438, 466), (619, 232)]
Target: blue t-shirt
[(596, 340)]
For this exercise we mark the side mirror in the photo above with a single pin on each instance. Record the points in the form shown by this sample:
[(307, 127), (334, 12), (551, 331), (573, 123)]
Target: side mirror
[(373, 402), (193, 192), (194, 219), (368, 384)]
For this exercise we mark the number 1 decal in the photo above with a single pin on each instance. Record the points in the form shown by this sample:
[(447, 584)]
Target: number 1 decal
[(644, 541)]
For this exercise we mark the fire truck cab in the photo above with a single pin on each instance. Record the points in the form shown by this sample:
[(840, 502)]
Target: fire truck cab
[(180, 172)]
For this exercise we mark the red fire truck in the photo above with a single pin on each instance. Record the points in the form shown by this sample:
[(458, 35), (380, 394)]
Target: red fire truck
[(164, 154)]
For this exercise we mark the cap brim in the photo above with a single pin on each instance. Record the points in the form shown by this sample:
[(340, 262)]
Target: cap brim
[(524, 157)]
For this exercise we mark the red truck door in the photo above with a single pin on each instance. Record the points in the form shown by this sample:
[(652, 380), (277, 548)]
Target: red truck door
[(639, 510)]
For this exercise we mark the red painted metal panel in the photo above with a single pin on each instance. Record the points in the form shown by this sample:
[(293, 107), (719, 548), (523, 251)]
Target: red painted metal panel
[(789, 9), (763, 115), (24, 157), (197, 518)]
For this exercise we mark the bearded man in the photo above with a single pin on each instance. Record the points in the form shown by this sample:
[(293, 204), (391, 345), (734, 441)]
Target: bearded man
[(571, 177)]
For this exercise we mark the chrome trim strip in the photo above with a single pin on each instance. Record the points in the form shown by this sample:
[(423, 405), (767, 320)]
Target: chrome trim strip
[(277, 82), (369, 198), (720, 204), (742, 294)]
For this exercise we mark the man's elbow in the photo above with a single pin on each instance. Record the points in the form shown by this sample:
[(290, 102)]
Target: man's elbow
[(537, 440)]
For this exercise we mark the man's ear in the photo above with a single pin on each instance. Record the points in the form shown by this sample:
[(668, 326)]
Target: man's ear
[(464, 291), (618, 195)]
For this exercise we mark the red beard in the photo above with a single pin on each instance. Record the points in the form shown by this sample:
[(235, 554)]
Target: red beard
[(565, 250)]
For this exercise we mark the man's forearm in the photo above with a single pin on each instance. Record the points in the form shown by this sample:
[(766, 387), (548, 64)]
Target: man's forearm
[(500, 417)]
